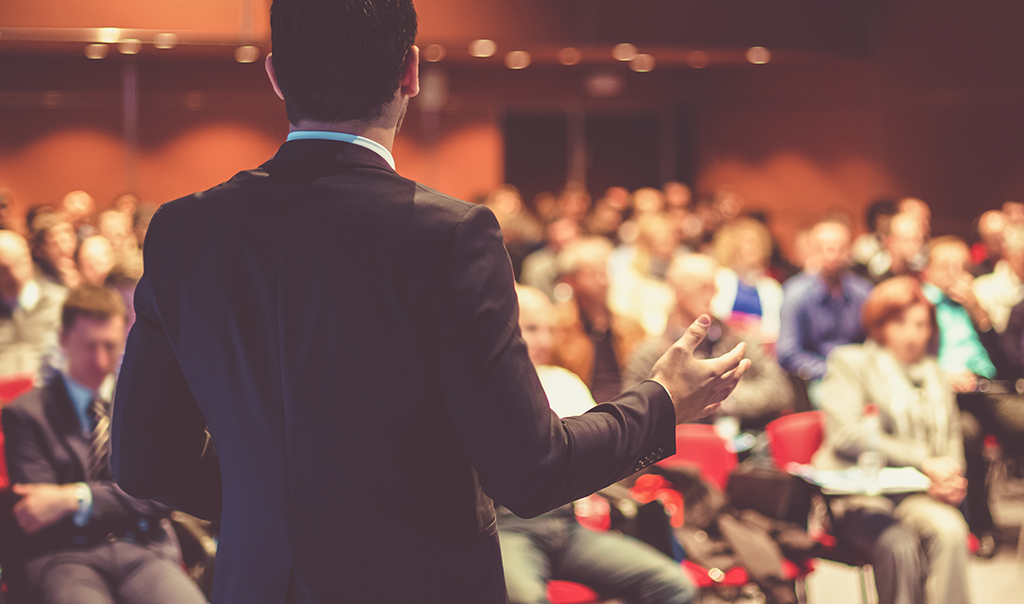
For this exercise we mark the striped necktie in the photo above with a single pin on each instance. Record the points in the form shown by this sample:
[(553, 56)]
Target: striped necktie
[(99, 441)]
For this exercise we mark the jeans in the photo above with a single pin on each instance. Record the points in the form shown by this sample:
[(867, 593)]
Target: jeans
[(555, 546)]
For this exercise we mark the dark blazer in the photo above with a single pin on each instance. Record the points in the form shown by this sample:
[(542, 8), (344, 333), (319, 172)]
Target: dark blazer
[(350, 339), (44, 443)]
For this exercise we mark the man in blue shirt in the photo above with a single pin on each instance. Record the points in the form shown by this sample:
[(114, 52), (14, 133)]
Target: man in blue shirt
[(80, 538), (821, 310)]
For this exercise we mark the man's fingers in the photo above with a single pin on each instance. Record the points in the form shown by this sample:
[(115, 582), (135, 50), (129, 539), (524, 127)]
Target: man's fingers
[(737, 373), (22, 489), (695, 334), (728, 361)]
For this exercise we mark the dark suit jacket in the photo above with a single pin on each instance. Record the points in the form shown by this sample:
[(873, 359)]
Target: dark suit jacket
[(350, 339), (44, 443)]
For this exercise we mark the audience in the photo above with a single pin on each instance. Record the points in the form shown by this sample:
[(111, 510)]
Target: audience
[(764, 393), (29, 308), (81, 538), (589, 339), (748, 299), (1001, 290), (554, 545), (623, 293), (910, 540)]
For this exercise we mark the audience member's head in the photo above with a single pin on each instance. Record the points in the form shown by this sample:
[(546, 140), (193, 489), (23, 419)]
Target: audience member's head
[(948, 261), (1013, 248), (898, 316), (78, 206), (677, 195), (656, 237), (648, 201), (340, 62), (95, 259), (918, 209), (6, 199), (744, 245), (561, 233), (126, 204), (1014, 211), (536, 323), (53, 238), (140, 221), (830, 248), (116, 227), (692, 278), (605, 219), (878, 216), (991, 225), (583, 265), (92, 333), (15, 266), (905, 241), (617, 197), (574, 203)]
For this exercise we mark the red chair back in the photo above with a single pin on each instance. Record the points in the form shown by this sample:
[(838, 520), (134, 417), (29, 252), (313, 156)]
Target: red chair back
[(795, 437), (567, 592), (698, 445), (11, 387)]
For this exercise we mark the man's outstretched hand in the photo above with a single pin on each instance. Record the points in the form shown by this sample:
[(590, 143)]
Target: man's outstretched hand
[(697, 387)]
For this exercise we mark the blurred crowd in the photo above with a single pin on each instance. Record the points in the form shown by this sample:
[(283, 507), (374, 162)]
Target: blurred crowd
[(924, 332)]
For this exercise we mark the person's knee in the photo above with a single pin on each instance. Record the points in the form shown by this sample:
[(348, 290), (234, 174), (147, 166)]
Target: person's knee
[(898, 548), (950, 530)]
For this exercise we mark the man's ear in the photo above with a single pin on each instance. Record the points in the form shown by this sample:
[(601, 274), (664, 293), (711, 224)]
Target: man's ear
[(411, 74), (269, 64)]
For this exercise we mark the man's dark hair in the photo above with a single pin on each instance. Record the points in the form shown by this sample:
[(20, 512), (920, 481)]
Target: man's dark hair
[(93, 302), (879, 208), (340, 60)]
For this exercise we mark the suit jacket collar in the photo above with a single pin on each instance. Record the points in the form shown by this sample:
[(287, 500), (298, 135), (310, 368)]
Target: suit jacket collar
[(326, 153), (60, 412)]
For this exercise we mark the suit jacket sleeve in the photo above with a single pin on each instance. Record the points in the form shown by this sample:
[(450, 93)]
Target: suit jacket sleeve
[(160, 448), (526, 458), (29, 462)]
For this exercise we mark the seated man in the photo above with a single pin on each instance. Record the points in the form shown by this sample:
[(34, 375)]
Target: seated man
[(589, 339), (1003, 288), (821, 310), (29, 308), (554, 545), (764, 392), (81, 538)]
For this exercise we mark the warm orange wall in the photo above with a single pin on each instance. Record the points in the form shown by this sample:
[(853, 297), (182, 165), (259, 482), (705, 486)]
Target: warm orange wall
[(199, 15)]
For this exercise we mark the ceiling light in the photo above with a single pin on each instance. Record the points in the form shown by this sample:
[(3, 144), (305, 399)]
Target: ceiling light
[(247, 54), (698, 59), (434, 53), (642, 63), (624, 52), (165, 41), (518, 59), (108, 35), (130, 46), (569, 56), (483, 48), (759, 55), (96, 51)]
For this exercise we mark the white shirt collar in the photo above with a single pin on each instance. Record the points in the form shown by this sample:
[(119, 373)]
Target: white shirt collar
[(372, 145), (29, 296)]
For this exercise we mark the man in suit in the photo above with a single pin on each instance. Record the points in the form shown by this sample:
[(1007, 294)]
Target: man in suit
[(80, 538), (348, 339)]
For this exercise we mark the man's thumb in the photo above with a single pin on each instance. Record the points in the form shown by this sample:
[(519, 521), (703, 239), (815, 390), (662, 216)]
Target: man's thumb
[(695, 334)]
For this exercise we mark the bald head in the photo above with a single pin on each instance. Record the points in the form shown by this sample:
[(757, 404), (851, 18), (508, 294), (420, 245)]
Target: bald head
[(15, 265), (830, 246), (692, 278), (906, 238), (78, 205), (536, 323), (95, 259)]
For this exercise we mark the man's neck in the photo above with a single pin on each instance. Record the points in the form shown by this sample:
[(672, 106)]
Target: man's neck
[(374, 131), (833, 281), (595, 312)]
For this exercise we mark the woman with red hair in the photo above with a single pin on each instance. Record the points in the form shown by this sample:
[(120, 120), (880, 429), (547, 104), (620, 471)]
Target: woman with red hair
[(915, 542)]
